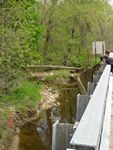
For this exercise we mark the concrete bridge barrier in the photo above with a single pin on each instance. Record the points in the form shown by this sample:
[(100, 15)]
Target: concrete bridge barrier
[(90, 132)]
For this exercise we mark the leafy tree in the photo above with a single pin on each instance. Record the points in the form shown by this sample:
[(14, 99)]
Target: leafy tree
[(70, 28), (20, 32)]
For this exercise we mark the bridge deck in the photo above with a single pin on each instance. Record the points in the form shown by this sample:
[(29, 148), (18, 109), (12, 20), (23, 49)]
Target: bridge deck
[(111, 128)]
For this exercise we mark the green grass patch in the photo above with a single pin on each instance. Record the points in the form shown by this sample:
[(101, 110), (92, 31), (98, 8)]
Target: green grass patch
[(58, 74), (26, 96)]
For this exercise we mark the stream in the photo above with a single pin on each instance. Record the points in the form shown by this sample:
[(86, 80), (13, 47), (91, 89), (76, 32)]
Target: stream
[(37, 135)]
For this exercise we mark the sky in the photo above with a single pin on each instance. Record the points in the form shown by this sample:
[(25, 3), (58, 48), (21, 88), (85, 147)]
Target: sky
[(111, 2)]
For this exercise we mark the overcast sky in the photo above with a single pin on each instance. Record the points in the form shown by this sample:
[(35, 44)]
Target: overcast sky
[(111, 2)]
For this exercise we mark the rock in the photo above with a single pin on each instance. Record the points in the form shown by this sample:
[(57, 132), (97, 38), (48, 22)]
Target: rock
[(17, 130), (3, 147)]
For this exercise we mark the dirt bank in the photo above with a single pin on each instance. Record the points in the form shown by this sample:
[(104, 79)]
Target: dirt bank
[(10, 135)]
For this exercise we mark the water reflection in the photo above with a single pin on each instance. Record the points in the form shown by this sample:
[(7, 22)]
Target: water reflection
[(67, 102), (37, 135)]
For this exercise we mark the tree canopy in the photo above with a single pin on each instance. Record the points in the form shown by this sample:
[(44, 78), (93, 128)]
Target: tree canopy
[(70, 28), (57, 32)]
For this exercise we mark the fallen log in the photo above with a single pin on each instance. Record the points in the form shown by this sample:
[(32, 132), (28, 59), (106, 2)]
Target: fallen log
[(55, 67)]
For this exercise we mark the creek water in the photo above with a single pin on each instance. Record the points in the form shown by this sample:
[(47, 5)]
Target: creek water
[(37, 135)]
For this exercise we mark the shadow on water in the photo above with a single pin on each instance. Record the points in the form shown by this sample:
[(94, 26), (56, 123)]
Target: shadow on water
[(37, 135)]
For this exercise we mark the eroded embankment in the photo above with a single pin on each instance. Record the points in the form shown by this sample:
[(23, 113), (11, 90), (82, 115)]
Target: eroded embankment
[(38, 133), (56, 103), (16, 120)]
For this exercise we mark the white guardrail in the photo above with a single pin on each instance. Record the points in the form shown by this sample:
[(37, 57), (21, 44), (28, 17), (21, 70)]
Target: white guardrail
[(89, 131)]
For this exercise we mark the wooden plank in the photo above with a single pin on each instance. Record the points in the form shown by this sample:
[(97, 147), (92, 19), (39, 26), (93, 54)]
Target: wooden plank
[(81, 86), (89, 129), (53, 67)]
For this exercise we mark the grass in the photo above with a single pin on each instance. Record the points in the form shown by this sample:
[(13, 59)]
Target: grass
[(23, 98), (57, 74), (26, 96)]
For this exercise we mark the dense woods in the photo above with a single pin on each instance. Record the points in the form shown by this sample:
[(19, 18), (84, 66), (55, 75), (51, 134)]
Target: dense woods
[(70, 27), (57, 32)]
